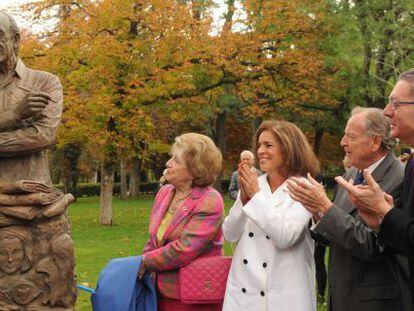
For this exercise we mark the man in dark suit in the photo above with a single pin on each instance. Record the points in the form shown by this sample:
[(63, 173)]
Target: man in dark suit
[(393, 220), (362, 275)]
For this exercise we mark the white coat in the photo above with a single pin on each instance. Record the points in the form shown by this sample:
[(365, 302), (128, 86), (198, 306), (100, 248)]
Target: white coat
[(273, 265)]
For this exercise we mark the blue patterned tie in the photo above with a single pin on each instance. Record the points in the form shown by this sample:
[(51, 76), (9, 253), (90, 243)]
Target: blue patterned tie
[(359, 178)]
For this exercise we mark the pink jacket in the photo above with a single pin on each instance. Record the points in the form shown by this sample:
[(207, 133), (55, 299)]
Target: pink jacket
[(194, 231)]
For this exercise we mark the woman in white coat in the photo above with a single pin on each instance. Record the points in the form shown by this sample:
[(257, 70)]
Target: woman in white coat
[(272, 266)]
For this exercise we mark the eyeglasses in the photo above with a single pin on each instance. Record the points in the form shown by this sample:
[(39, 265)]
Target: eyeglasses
[(395, 104)]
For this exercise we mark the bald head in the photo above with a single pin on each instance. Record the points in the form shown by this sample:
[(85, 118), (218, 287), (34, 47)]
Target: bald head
[(8, 21), (247, 156), (9, 42)]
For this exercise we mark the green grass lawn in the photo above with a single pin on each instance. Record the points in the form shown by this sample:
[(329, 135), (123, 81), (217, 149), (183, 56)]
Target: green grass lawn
[(95, 245)]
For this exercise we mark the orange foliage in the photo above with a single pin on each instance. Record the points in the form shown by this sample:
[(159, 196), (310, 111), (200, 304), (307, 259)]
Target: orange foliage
[(133, 69)]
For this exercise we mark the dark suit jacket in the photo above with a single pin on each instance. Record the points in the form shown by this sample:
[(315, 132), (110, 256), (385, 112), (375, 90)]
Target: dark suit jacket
[(234, 185), (362, 275), (397, 228)]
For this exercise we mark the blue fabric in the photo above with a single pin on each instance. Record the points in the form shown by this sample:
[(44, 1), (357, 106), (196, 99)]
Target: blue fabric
[(359, 178), (85, 288), (119, 289)]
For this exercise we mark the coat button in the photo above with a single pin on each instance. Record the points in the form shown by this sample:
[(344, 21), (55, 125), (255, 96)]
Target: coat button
[(243, 290), (262, 293), (267, 237), (245, 261), (264, 265), (251, 234)]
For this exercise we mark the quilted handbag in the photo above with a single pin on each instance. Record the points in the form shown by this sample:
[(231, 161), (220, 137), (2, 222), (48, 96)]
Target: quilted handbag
[(203, 281)]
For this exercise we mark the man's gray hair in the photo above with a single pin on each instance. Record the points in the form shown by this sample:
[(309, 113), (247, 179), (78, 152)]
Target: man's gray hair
[(376, 124), (408, 76), (247, 152)]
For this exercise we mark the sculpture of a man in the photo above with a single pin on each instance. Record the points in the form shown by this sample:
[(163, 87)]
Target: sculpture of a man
[(30, 111)]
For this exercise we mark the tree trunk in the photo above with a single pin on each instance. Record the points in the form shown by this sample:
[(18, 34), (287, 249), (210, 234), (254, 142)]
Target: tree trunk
[(107, 188), (124, 185), (318, 140), (135, 177), (256, 123), (229, 17), (71, 154), (95, 176), (365, 71), (220, 140)]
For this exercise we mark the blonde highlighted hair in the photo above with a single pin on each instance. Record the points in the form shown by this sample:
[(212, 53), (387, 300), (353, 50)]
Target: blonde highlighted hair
[(201, 156)]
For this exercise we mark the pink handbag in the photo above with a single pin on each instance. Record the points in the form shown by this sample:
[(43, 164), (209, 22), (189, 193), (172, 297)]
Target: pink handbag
[(203, 281)]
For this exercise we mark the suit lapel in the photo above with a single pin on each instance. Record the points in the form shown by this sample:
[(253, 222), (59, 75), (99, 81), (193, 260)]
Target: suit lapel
[(377, 174), (183, 210), (408, 191)]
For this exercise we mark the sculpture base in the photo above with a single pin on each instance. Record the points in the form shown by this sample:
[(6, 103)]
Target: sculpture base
[(37, 265)]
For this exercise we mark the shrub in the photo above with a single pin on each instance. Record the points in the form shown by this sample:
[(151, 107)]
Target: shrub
[(94, 189)]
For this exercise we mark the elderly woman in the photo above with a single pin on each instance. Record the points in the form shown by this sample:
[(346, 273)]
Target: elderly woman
[(186, 218), (272, 266)]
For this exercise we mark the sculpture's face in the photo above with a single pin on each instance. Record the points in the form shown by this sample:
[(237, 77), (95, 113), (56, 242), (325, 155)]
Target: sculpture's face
[(6, 40), (11, 255)]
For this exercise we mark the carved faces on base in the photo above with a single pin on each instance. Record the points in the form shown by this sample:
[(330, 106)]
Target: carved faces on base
[(15, 250), (11, 255), (34, 265)]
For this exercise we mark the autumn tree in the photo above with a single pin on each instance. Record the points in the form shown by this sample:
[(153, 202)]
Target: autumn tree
[(133, 70), (115, 59)]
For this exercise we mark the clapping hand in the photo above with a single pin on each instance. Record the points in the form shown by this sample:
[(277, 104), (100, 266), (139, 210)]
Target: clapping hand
[(310, 193), (248, 183), (372, 203)]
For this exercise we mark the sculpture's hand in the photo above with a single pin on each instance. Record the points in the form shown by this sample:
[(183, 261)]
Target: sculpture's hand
[(59, 207), (4, 306), (33, 104)]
